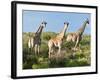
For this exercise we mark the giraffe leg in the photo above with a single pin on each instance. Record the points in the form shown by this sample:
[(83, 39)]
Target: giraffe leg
[(35, 49), (59, 46), (50, 49), (31, 49), (50, 44), (49, 52), (28, 50), (59, 50), (77, 42), (38, 49)]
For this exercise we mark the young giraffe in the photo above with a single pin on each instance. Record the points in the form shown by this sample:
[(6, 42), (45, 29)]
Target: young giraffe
[(35, 42), (77, 36), (57, 41)]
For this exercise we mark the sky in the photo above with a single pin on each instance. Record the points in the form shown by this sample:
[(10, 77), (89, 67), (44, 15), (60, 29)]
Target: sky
[(55, 21)]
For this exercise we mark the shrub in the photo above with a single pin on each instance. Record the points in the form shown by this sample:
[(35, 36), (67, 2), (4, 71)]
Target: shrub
[(58, 60), (29, 61), (65, 59)]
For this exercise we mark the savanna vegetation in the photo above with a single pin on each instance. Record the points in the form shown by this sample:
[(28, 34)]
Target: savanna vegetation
[(67, 58)]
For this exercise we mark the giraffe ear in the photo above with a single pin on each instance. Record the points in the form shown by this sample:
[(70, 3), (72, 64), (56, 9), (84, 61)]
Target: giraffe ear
[(45, 22), (67, 23), (64, 22)]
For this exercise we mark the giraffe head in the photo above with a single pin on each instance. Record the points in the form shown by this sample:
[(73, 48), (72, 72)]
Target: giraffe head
[(66, 24), (87, 21), (43, 24)]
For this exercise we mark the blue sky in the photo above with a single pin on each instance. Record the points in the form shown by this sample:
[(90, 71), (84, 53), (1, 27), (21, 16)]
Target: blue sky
[(55, 21)]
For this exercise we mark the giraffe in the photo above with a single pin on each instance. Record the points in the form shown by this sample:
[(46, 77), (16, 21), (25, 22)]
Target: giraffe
[(57, 41), (77, 36), (35, 41)]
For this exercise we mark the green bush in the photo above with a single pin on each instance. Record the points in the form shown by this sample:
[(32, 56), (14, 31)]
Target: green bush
[(29, 61), (81, 57)]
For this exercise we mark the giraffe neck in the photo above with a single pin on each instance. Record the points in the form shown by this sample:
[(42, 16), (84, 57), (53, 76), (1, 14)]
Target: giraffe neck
[(62, 33), (39, 31), (81, 30)]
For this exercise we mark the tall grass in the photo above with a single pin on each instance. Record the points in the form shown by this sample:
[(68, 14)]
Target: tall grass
[(67, 57)]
